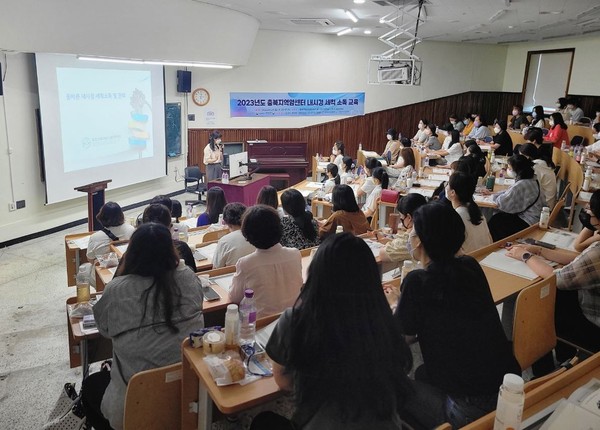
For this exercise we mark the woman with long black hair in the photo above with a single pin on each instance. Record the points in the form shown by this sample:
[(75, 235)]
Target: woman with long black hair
[(213, 156), (300, 230)]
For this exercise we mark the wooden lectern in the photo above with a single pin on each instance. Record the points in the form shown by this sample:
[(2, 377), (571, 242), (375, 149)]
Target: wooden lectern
[(95, 194)]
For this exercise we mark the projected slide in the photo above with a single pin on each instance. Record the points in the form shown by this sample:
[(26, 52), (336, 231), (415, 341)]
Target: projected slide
[(104, 116), (100, 121)]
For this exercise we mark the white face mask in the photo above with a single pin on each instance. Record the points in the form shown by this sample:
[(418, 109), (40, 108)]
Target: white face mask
[(217, 141), (557, 105), (510, 173), (466, 122), (389, 137), (421, 126), (452, 122), (551, 123), (534, 114), (596, 136), (496, 130)]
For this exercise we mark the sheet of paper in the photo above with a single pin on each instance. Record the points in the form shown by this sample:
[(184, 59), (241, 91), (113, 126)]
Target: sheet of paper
[(305, 193), (122, 247), (500, 261), (438, 177), (430, 183), (190, 222), (207, 251), (485, 147), (427, 192), (81, 243), (509, 181), (112, 270), (439, 171), (570, 416), (585, 196), (480, 198), (562, 239), (263, 335), (224, 281), (374, 246), (314, 185), (87, 331)]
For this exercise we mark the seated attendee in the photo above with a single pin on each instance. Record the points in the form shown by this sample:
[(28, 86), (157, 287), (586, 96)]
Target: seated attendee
[(432, 141), (367, 185), (348, 176), (452, 149), (396, 250), (577, 313), (544, 172), (158, 213), (317, 351), (596, 119), (146, 311), (558, 131), (392, 147), (381, 181), (345, 213), (518, 120), (521, 204), (333, 178), (420, 136), (594, 148), (449, 307), (272, 271), (215, 202), (468, 122), (405, 166), (176, 210), (337, 153), (502, 143), (561, 107), (234, 245), (163, 200), (573, 105), (480, 129), (535, 136), (268, 196), (300, 230), (456, 122), (538, 117), (459, 191), (475, 152), (114, 228)]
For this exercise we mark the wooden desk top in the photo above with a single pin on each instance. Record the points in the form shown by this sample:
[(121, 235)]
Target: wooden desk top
[(240, 181)]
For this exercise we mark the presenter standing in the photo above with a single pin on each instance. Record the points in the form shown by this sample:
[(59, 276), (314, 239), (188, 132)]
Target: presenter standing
[(213, 156)]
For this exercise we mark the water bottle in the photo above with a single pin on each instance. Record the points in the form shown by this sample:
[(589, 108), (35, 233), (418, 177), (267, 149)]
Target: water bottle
[(544, 217), (225, 177), (175, 234), (587, 181), (189, 210), (426, 160), (583, 156), (220, 221), (83, 283), (492, 157), (407, 266), (339, 229), (563, 145), (360, 146), (247, 318), (232, 321), (509, 411)]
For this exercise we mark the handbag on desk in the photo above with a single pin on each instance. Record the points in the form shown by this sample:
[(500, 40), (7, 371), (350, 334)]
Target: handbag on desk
[(390, 196)]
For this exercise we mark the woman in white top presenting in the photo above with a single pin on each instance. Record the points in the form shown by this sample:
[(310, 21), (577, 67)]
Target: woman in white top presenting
[(459, 191), (213, 156)]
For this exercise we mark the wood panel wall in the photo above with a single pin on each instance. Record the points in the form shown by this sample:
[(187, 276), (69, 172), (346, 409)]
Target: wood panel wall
[(369, 129)]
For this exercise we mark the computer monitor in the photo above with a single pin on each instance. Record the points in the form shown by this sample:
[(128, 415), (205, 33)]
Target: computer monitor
[(230, 148), (235, 169)]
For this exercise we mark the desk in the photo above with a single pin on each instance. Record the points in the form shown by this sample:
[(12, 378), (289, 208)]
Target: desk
[(240, 190), (318, 168), (562, 386), (75, 254)]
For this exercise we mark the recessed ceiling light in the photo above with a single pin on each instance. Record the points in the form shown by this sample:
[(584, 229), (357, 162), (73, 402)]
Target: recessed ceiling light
[(359, 1), (351, 15), (367, 32), (529, 21), (344, 31), (511, 26), (453, 21), (550, 12)]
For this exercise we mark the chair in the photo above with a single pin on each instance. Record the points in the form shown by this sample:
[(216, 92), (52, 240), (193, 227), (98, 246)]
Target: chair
[(534, 315), (214, 235), (417, 155), (584, 120), (578, 141), (153, 399), (193, 174), (575, 181)]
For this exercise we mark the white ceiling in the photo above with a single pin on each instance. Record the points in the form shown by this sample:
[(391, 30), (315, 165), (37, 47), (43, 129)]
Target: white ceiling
[(444, 20)]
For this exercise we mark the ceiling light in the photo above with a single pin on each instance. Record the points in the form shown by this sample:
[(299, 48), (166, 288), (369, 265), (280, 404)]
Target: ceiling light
[(511, 26), (351, 15), (497, 15), (367, 31), (155, 62), (344, 31), (359, 1)]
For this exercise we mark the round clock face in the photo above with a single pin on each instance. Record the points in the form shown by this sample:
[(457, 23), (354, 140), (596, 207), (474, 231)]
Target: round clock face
[(200, 96)]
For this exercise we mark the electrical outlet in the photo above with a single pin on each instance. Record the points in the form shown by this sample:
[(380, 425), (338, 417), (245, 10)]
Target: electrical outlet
[(12, 206)]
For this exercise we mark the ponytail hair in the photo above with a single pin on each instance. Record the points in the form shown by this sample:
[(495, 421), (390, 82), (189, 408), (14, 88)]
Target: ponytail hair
[(381, 174), (464, 187)]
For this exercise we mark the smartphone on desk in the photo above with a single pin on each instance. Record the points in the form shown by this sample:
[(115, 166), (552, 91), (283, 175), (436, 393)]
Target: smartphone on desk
[(210, 295)]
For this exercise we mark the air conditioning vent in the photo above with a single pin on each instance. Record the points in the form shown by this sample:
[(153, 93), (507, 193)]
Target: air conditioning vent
[(315, 22)]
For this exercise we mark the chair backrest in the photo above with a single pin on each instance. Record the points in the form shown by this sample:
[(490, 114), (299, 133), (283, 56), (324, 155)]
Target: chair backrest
[(214, 235), (153, 399), (578, 140), (417, 155), (533, 326), (575, 180), (585, 120), (193, 172)]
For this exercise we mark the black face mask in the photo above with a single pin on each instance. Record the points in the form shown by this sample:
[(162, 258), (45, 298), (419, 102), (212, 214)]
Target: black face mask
[(585, 219)]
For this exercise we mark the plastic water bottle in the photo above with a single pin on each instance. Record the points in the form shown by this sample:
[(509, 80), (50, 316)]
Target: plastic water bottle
[(587, 181), (426, 160), (175, 234), (189, 210), (360, 146), (220, 221), (83, 283), (544, 217), (563, 145), (232, 322), (247, 318), (339, 229), (509, 411), (225, 177)]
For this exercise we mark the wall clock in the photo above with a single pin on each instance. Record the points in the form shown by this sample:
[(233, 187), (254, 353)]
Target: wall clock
[(200, 96)]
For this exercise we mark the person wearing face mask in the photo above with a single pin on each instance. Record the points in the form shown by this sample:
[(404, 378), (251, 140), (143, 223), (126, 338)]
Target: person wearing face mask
[(596, 119), (558, 131), (432, 142), (396, 250), (381, 180), (449, 307), (459, 190), (518, 120), (480, 129), (345, 213), (337, 154), (213, 156), (577, 313), (594, 148), (456, 122), (538, 117), (421, 137), (561, 107), (452, 148), (576, 111), (392, 148), (544, 172), (502, 143), (468, 124), (520, 205)]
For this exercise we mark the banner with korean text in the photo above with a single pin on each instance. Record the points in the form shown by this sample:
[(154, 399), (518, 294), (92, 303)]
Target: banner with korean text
[(296, 104)]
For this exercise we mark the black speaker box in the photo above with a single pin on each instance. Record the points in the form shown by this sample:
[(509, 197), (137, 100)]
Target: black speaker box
[(184, 81)]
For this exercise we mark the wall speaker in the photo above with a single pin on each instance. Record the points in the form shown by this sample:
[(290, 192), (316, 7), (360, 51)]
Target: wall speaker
[(184, 81)]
